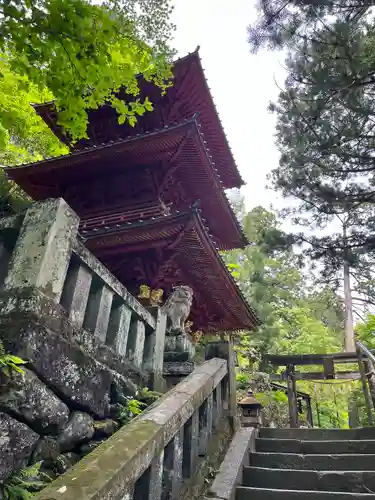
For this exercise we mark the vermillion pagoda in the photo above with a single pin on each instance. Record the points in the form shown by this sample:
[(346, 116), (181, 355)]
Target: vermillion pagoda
[(151, 198)]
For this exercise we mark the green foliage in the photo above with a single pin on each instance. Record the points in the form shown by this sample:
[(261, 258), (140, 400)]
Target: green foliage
[(275, 408), (148, 397), (365, 331), (82, 52), (8, 362), (282, 23), (325, 132), (24, 483), (130, 409), (295, 317), (243, 380), (26, 137), (299, 317)]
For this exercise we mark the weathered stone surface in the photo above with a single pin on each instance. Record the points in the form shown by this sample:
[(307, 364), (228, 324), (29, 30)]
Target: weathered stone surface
[(319, 434), (46, 449), (313, 462), (114, 284), (67, 368), (269, 494), (16, 445), (176, 356), (80, 428), (230, 472), (177, 368), (87, 448), (345, 481), (42, 252), (29, 399), (103, 475), (136, 343), (315, 447), (105, 428), (154, 345), (65, 461), (19, 311)]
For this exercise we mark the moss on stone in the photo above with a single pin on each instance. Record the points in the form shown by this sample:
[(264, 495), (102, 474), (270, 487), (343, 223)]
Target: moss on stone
[(113, 465)]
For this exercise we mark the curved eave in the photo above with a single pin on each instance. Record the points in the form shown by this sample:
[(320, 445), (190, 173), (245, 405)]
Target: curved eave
[(213, 275), (194, 87), (73, 168)]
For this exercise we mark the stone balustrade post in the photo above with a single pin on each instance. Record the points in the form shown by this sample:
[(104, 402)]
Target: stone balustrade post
[(98, 311), (172, 474), (149, 485), (136, 342), (76, 292), (217, 406), (205, 424), (42, 252), (118, 328), (190, 447), (153, 358), (224, 350)]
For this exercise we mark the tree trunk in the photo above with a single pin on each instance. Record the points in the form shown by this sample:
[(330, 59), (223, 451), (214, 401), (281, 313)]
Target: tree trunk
[(349, 326)]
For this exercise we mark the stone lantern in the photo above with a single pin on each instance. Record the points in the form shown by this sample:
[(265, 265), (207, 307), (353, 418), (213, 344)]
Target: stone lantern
[(251, 415)]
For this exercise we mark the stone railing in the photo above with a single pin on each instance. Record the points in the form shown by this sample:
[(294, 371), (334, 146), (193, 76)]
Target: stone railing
[(41, 258), (167, 452)]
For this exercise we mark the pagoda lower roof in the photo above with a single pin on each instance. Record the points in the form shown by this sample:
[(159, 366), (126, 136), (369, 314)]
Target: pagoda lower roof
[(173, 250), (188, 96), (98, 180)]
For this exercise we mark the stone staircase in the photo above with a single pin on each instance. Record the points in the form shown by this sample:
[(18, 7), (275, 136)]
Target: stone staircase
[(310, 464)]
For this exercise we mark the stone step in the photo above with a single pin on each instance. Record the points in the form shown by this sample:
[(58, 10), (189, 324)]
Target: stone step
[(315, 447), (319, 434), (351, 461), (340, 481), (244, 493)]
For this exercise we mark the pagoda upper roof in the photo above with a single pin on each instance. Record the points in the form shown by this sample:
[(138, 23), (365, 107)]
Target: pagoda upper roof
[(177, 155), (172, 250), (189, 95)]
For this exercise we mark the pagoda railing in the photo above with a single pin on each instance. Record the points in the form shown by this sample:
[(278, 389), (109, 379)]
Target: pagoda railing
[(164, 453), (40, 250)]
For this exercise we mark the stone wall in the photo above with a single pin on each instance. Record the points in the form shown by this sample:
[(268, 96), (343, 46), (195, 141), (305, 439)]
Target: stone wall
[(88, 345), (167, 452), (38, 424)]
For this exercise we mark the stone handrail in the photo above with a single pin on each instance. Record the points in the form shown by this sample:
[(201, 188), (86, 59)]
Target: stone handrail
[(47, 257), (152, 457)]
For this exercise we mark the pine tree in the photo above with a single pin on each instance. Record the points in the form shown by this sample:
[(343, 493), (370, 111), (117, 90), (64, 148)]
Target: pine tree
[(325, 134)]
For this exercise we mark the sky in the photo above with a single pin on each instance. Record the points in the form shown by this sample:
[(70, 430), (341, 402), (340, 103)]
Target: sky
[(242, 84)]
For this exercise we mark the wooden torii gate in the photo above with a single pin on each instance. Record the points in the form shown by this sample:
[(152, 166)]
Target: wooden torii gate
[(327, 361)]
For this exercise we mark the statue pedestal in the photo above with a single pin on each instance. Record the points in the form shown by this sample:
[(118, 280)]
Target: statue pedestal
[(178, 358)]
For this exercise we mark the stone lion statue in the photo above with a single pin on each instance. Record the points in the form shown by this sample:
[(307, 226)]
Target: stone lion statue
[(177, 307)]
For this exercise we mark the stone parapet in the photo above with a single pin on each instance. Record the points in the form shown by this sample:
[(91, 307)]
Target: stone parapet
[(137, 462)]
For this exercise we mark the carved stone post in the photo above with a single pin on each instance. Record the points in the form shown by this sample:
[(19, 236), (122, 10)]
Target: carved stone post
[(217, 406), (205, 424), (136, 342), (223, 349), (76, 292), (42, 252), (191, 442), (172, 474), (149, 486), (118, 328), (153, 359)]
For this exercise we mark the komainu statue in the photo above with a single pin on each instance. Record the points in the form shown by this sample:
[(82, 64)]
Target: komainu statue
[(177, 307)]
